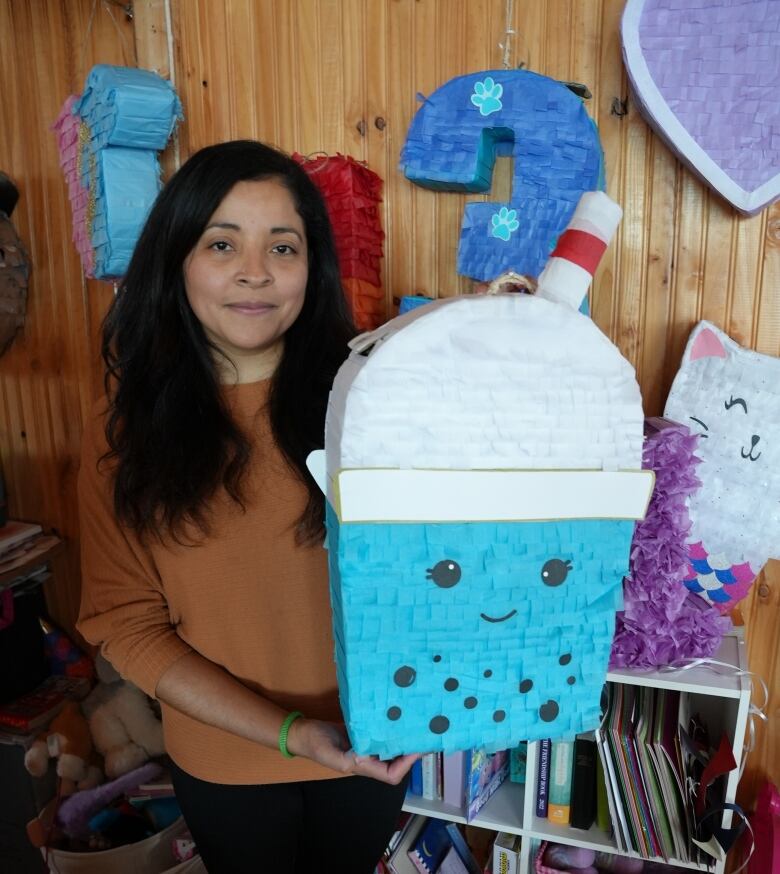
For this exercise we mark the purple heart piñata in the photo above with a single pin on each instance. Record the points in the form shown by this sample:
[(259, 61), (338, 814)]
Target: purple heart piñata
[(706, 76)]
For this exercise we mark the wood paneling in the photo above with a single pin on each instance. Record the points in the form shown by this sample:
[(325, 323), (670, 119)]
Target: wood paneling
[(318, 75), (50, 376)]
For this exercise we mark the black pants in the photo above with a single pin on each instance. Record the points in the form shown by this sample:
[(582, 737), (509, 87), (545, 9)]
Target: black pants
[(340, 825)]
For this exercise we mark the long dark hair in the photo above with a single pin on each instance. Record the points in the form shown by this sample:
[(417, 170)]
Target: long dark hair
[(171, 438)]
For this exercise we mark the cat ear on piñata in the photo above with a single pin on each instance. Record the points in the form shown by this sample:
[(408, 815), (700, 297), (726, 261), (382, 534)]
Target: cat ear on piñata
[(706, 341)]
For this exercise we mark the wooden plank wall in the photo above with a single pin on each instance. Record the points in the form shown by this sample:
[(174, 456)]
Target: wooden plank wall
[(343, 76)]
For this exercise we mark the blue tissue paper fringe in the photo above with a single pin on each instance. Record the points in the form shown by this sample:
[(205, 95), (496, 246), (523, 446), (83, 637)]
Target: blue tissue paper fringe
[(421, 668)]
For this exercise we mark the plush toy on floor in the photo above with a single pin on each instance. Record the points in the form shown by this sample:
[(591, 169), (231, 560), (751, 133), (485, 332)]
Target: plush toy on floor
[(67, 740), (124, 727)]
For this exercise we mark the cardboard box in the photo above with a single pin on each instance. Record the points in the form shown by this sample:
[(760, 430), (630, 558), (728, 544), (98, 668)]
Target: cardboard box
[(506, 854)]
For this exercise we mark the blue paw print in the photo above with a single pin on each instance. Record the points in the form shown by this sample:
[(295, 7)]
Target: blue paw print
[(505, 223), (487, 96)]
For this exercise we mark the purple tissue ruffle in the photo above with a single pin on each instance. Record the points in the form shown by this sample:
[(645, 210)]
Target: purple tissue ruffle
[(662, 621)]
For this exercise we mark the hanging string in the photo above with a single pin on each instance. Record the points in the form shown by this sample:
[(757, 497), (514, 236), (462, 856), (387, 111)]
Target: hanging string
[(126, 53), (506, 45), (125, 47), (755, 711), (86, 38), (172, 79)]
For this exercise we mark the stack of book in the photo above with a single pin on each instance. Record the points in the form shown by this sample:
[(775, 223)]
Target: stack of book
[(633, 776), (463, 781), (567, 781), (432, 846), (24, 550), (639, 743)]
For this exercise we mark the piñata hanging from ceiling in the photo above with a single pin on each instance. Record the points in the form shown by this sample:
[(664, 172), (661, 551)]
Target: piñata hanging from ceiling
[(461, 129), (705, 76), (730, 397), (352, 194), (108, 141), (483, 475)]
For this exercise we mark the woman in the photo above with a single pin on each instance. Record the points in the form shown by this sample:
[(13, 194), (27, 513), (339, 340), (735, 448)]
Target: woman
[(204, 576)]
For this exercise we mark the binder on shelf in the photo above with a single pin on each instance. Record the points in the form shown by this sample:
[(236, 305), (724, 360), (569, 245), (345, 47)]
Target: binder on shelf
[(583, 782)]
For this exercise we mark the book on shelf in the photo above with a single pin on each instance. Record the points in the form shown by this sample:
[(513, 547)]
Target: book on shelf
[(559, 793), (398, 861), (517, 762), (485, 772), (14, 535), (454, 778), (462, 849), (431, 777), (603, 820), (638, 744), (583, 782), (36, 709), (430, 847), (543, 777), (452, 863), (506, 854), (415, 778)]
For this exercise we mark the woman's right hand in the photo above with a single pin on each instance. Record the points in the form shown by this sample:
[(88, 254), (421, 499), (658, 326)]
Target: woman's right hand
[(328, 744)]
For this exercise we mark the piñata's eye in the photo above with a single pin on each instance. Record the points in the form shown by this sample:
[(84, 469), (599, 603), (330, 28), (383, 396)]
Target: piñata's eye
[(555, 571), (445, 573)]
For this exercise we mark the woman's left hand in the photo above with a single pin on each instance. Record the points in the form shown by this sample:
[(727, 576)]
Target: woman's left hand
[(328, 744)]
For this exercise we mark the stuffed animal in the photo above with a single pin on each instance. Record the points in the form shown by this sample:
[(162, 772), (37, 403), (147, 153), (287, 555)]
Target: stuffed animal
[(75, 813), (124, 727), (68, 740)]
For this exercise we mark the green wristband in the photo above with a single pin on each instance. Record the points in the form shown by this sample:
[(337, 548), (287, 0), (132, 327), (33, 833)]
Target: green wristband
[(284, 731)]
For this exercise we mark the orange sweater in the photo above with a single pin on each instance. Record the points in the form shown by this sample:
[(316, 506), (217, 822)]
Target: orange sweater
[(247, 598)]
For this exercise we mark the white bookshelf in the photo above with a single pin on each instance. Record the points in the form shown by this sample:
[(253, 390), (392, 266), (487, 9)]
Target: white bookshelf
[(722, 698)]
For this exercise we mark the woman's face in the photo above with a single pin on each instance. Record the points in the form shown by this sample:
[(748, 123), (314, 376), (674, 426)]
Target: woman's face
[(245, 278)]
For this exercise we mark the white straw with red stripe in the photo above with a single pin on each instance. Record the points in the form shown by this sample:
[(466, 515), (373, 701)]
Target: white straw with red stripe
[(567, 275)]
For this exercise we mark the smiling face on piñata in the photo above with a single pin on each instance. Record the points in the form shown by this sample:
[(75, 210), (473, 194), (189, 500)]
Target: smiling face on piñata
[(483, 462)]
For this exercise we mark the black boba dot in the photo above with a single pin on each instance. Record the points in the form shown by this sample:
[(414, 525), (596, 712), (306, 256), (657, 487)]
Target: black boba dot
[(445, 573), (526, 686), (565, 659), (571, 680), (499, 716), (394, 713), (555, 571), (549, 711), (451, 684), (437, 658), (488, 673), (404, 676), (470, 703), (439, 724)]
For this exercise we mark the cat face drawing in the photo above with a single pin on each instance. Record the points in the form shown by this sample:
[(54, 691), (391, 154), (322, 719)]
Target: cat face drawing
[(730, 397)]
